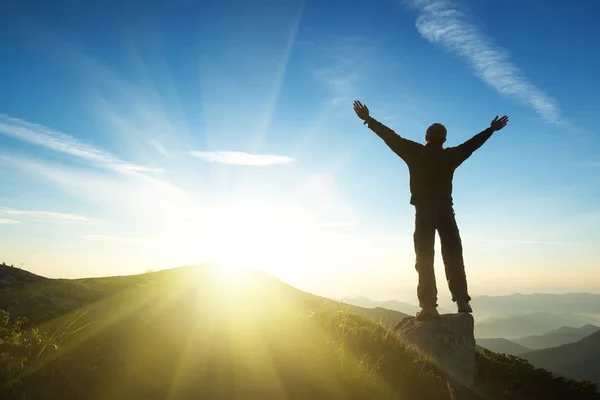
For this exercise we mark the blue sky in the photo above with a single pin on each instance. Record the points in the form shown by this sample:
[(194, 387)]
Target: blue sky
[(154, 134)]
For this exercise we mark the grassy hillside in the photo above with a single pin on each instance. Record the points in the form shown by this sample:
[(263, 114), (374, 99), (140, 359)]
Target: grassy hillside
[(41, 299), (501, 345), (579, 360), (197, 333), (563, 335)]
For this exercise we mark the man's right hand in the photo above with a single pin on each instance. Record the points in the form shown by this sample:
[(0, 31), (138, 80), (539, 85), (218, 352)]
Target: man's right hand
[(361, 110), (498, 124)]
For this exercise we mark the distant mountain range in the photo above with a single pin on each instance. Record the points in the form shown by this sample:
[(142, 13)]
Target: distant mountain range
[(563, 335), (580, 360), (501, 345), (537, 315), (519, 346), (519, 326), (552, 331), (584, 304)]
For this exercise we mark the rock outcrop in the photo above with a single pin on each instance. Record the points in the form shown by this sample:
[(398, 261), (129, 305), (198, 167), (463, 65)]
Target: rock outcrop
[(448, 342)]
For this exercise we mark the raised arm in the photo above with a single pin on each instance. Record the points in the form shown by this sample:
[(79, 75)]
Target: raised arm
[(465, 150), (399, 145)]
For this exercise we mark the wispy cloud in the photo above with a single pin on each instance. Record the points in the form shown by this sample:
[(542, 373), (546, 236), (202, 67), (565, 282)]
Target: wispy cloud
[(158, 147), (63, 143), (7, 221), (42, 216), (111, 239), (443, 22), (241, 158), (134, 194)]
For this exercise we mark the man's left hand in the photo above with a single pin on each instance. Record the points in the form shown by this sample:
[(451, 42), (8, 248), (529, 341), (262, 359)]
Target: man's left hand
[(498, 124)]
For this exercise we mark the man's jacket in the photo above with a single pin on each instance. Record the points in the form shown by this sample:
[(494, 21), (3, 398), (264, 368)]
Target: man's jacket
[(431, 167)]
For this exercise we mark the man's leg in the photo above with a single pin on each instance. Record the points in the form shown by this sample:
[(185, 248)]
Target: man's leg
[(424, 238), (452, 253)]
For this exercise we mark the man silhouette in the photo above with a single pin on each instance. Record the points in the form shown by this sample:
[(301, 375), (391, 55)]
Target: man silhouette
[(431, 168)]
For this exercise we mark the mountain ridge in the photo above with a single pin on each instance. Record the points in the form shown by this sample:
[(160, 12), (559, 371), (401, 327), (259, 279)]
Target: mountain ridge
[(501, 345), (580, 360), (557, 337)]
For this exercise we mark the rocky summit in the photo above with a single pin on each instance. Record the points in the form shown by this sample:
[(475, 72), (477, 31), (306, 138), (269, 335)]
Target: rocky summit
[(448, 342)]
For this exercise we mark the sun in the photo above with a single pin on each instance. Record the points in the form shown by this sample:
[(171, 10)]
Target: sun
[(269, 241), (241, 236)]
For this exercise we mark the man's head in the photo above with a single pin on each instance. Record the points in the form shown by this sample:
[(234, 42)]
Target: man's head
[(436, 134)]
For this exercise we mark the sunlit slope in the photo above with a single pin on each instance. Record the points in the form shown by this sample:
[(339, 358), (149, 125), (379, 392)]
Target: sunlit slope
[(198, 333)]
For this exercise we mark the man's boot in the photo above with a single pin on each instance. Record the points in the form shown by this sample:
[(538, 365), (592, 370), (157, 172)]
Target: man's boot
[(428, 314), (464, 307)]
